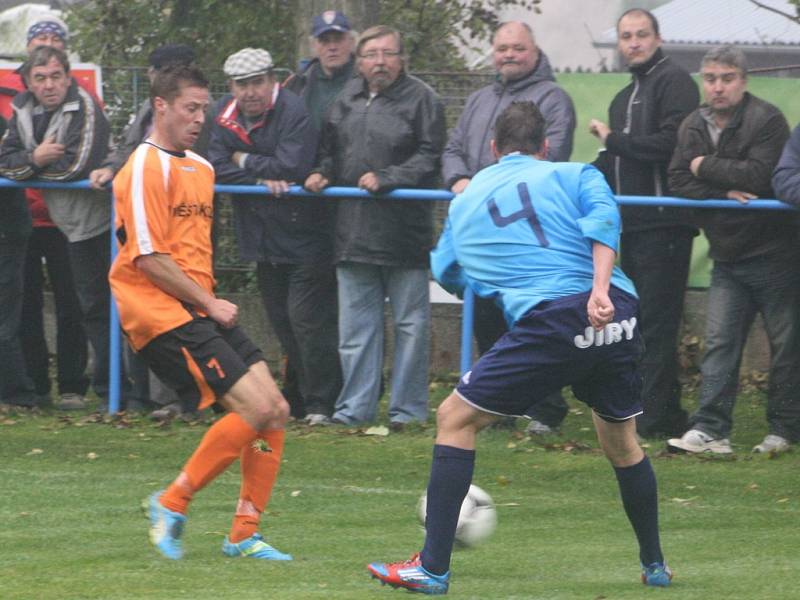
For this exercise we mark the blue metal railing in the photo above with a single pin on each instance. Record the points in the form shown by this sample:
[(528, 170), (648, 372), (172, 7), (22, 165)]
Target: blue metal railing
[(345, 192)]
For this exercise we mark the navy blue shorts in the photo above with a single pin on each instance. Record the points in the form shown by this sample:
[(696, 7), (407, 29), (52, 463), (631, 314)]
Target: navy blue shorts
[(553, 346)]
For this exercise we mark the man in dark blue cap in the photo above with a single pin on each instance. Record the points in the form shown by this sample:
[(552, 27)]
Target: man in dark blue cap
[(324, 76)]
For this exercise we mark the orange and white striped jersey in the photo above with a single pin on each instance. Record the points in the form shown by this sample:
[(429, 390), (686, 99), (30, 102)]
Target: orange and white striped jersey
[(164, 205)]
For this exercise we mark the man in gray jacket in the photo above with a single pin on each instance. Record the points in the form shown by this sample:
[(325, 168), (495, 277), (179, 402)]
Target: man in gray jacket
[(59, 133), (523, 73)]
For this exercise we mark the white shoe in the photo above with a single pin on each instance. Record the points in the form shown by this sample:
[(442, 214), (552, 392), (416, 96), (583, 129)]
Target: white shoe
[(71, 401), (538, 428), (317, 419), (697, 442), (773, 443)]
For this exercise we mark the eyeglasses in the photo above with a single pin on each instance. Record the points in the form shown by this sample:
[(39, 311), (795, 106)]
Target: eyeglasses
[(374, 54)]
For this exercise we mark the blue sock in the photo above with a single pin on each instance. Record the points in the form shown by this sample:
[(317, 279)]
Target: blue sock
[(451, 474), (637, 486)]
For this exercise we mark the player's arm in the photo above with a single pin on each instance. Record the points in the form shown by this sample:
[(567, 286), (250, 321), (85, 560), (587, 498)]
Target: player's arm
[(600, 307), (163, 272)]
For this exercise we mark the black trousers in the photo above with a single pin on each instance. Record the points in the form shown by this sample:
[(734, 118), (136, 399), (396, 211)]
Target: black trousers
[(657, 261), (300, 301), (50, 244)]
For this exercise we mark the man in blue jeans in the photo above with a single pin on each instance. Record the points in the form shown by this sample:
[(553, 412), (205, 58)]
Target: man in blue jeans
[(728, 148), (541, 237)]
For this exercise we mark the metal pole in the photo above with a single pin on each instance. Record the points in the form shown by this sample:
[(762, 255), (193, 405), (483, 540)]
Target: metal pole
[(467, 316), (114, 350)]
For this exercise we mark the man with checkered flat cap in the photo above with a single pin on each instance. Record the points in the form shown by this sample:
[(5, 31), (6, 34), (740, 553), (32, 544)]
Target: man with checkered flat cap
[(263, 135)]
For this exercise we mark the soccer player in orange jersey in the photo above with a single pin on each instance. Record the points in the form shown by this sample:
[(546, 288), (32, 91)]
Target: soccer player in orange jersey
[(163, 284)]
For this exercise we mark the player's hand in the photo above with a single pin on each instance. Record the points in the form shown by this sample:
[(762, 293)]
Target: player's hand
[(369, 181), (460, 185), (600, 309), (223, 312), (236, 157), (694, 166), (277, 187), (100, 177), (316, 182), (741, 197), (47, 152), (599, 130)]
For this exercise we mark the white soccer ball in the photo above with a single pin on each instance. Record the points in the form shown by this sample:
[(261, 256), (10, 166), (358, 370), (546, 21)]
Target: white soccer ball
[(477, 519)]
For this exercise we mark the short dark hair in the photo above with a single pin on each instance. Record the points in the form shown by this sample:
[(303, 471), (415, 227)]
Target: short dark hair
[(168, 82), (640, 11), (727, 55), (171, 54), (40, 56), (519, 128)]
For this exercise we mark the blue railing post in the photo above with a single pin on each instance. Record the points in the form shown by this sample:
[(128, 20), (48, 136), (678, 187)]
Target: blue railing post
[(467, 318), (114, 346)]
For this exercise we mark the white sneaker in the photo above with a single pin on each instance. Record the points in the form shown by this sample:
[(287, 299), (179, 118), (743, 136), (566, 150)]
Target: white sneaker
[(538, 428), (71, 401), (317, 419), (697, 442), (773, 443)]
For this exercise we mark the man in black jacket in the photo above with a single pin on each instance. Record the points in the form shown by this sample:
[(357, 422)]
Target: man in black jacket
[(385, 130), (727, 149), (263, 135), (656, 241), (15, 227)]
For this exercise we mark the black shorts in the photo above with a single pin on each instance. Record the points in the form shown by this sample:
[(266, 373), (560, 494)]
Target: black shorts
[(201, 360), (553, 346)]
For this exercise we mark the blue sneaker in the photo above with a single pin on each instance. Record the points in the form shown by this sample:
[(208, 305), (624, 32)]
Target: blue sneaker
[(253, 547), (166, 528), (656, 574), (411, 575)]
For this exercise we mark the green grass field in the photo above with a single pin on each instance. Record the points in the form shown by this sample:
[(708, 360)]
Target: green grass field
[(72, 526)]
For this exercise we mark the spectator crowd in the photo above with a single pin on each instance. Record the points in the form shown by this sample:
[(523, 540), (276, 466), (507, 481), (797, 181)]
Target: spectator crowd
[(355, 117)]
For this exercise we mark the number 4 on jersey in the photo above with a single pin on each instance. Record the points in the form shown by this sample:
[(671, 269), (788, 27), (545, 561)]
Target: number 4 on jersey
[(527, 212)]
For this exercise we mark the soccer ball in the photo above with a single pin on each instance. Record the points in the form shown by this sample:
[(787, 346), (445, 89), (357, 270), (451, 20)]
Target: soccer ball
[(477, 519)]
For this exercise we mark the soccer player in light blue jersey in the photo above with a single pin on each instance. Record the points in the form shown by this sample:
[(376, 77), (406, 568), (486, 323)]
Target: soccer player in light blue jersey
[(541, 239)]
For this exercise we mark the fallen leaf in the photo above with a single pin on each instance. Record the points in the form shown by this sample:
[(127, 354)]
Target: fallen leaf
[(690, 487), (35, 451), (92, 455), (782, 500), (753, 486), (9, 422), (684, 500), (511, 445), (377, 430), (295, 494), (503, 480)]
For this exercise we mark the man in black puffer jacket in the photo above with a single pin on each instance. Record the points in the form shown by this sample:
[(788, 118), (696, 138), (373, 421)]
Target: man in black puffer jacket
[(656, 241)]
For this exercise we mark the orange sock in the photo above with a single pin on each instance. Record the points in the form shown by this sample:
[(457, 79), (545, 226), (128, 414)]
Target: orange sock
[(260, 463), (220, 446)]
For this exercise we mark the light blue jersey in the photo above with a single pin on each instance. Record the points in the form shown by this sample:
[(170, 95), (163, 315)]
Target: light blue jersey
[(522, 233)]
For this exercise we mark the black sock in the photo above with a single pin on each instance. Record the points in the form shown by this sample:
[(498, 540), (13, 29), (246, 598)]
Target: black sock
[(637, 486), (451, 474)]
